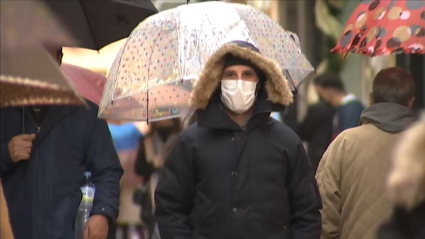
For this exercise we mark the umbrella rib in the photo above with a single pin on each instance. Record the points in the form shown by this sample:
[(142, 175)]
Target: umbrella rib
[(89, 25)]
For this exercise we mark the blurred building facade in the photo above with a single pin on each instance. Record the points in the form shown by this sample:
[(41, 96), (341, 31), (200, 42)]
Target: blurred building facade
[(415, 64)]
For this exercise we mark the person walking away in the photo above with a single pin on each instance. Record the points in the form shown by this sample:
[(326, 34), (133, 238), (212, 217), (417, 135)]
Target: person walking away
[(406, 186), (149, 161), (44, 154), (352, 173), (236, 172), (348, 108), (316, 130)]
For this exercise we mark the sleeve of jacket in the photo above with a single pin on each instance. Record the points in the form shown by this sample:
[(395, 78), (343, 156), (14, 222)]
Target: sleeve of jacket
[(174, 194), (6, 162), (350, 116), (305, 199), (329, 178), (103, 162)]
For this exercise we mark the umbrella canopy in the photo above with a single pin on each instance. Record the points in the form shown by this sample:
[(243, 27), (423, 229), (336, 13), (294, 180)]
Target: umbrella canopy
[(381, 27), (170, 49), (88, 83), (29, 22), (95, 24), (29, 76)]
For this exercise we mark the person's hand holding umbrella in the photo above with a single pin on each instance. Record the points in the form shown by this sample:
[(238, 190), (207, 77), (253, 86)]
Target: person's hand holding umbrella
[(20, 147)]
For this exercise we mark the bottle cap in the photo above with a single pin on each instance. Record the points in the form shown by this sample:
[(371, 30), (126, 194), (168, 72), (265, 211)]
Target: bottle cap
[(87, 174)]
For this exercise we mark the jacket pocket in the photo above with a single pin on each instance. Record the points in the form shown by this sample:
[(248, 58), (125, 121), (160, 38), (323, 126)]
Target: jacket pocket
[(280, 210), (203, 211)]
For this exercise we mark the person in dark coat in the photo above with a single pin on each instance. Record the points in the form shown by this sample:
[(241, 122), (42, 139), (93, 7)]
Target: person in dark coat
[(316, 130), (44, 154), (348, 108), (404, 224), (236, 172), (406, 187)]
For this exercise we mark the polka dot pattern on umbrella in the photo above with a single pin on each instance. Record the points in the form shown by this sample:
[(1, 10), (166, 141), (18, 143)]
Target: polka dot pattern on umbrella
[(169, 49), (382, 27)]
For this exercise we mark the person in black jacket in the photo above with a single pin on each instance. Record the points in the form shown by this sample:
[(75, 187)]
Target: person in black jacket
[(316, 130), (348, 108), (236, 172)]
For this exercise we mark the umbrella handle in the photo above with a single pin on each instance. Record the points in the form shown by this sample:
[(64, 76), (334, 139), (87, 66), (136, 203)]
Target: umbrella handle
[(23, 120)]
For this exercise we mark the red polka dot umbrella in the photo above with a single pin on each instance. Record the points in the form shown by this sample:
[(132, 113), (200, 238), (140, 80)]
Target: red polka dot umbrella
[(382, 27)]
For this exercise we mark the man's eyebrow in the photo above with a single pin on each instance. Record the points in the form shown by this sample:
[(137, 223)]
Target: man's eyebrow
[(249, 70)]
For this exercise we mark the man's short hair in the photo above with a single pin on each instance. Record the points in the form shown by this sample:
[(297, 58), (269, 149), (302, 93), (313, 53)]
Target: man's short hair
[(393, 85), (330, 80)]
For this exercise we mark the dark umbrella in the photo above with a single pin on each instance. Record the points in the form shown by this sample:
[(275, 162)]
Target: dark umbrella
[(96, 24)]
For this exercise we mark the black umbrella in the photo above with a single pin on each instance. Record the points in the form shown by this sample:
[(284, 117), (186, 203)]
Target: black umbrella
[(97, 23)]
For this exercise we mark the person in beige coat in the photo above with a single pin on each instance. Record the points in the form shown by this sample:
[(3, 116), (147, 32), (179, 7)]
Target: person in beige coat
[(352, 173), (5, 228)]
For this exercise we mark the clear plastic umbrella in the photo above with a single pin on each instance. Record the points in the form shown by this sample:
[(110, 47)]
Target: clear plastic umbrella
[(170, 48)]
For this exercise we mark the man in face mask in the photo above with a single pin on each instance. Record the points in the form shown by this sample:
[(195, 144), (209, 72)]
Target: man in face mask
[(236, 172), (239, 85)]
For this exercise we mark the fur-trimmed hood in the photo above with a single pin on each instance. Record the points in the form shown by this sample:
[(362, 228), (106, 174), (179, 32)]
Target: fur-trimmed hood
[(406, 182), (276, 85)]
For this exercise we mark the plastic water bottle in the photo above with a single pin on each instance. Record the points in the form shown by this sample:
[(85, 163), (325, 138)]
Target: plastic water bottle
[(83, 214)]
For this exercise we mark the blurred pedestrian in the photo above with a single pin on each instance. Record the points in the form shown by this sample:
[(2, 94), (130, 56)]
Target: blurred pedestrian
[(126, 137), (406, 186), (348, 108), (149, 161), (236, 172), (352, 173), (316, 130), (45, 151)]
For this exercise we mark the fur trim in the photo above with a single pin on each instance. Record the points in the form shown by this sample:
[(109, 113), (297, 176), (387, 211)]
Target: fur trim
[(406, 182), (276, 84)]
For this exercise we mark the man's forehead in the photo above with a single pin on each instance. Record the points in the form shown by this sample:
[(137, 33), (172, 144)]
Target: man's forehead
[(238, 67)]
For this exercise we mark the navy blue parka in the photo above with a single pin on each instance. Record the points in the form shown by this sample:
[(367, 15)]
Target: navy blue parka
[(43, 193)]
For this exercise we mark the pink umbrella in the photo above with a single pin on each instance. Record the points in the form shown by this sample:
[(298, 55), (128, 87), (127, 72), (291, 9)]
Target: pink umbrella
[(88, 83)]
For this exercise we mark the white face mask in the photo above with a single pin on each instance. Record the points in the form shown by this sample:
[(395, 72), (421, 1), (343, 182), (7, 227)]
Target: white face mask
[(238, 95)]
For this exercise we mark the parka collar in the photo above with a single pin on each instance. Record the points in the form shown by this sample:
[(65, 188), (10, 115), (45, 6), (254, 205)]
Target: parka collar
[(274, 93), (276, 84)]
